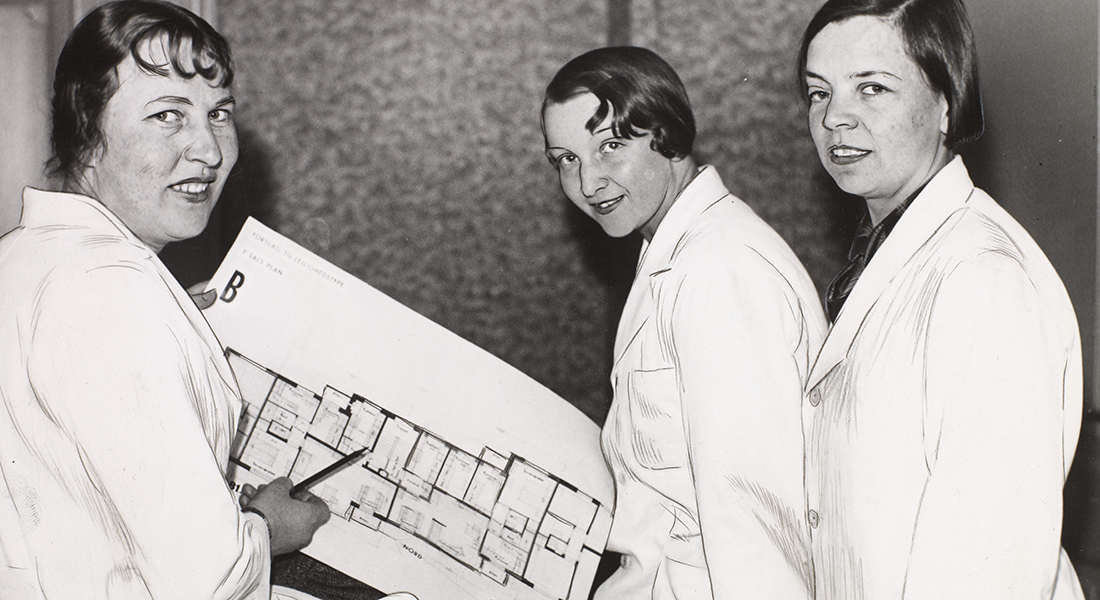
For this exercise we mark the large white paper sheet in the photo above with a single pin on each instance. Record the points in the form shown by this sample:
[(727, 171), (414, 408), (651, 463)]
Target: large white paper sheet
[(480, 483)]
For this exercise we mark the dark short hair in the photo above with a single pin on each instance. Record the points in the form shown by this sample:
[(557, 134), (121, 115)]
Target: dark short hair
[(641, 88), (937, 36), (86, 75)]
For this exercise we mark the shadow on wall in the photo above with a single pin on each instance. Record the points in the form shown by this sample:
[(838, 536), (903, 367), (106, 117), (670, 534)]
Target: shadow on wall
[(1081, 518), (613, 261), (841, 217), (247, 193)]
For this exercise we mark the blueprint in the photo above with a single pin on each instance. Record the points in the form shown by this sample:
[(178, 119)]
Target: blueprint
[(477, 482)]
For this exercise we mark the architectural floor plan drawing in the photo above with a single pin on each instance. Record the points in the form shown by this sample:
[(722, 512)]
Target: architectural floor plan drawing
[(502, 518), (477, 482)]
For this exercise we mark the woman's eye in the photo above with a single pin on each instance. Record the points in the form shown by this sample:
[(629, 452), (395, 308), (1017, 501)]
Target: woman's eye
[(221, 115), (873, 89), (167, 116), (565, 160), (611, 146), (818, 95)]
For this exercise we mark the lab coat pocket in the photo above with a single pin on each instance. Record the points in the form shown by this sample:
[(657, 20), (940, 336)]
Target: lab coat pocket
[(657, 436)]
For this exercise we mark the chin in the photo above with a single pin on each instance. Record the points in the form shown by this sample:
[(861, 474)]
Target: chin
[(616, 232), (192, 228), (849, 183)]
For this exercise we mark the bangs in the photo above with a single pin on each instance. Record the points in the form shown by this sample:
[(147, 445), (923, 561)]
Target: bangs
[(185, 54)]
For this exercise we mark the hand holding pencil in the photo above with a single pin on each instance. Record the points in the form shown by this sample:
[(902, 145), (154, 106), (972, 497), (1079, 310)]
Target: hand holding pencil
[(291, 519), (308, 482)]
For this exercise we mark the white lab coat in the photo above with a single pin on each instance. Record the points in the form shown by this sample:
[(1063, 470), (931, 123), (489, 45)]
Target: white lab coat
[(943, 413), (703, 436), (119, 409)]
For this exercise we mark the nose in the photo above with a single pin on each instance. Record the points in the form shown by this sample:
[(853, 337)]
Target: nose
[(203, 146), (839, 113), (593, 179)]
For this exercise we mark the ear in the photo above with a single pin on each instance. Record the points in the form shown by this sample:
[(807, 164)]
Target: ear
[(945, 120)]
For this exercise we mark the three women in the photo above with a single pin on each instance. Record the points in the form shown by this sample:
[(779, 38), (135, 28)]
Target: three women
[(941, 415)]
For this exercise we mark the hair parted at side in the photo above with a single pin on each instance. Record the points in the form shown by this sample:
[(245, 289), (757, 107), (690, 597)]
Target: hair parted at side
[(86, 77), (937, 36), (641, 90)]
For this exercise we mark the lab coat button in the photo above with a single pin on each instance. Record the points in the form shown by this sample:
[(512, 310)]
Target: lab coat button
[(815, 397), (813, 518)]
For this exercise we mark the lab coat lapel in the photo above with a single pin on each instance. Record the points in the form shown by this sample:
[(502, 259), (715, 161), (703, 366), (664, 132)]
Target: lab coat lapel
[(637, 309), (947, 192), (656, 255)]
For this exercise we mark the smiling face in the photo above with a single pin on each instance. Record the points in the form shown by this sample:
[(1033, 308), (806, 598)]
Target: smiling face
[(623, 184), (878, 126), (169, 144)]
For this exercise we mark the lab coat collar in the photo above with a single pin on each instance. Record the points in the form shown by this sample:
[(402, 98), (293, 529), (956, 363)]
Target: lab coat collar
[(705, 189), (947, 192), (52, 209)]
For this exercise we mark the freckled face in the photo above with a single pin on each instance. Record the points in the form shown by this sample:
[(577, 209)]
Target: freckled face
[(878, 126), (623, 184), (170, 143)]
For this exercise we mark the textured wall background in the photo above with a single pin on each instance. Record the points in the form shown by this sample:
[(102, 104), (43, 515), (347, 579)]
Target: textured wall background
[(400, 140), (737, 60)]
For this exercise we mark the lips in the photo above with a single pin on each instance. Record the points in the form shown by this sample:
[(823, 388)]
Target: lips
[(195, 189), (846, 155), (606, 206)]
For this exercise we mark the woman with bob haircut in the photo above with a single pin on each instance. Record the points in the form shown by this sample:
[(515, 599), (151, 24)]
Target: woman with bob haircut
[(119, 404), (944, 408), (703, 437)]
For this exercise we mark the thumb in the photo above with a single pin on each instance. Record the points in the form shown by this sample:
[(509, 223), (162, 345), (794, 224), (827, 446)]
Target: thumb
[(202, 299)]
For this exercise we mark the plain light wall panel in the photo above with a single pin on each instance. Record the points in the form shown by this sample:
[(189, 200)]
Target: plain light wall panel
[(24, 104)]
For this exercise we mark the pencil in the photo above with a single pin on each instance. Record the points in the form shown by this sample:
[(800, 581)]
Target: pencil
[(308, 482)]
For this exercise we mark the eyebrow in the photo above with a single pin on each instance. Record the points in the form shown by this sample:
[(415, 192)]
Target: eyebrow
[(863, 74), (859, 75), (228, 100), (171, 100)]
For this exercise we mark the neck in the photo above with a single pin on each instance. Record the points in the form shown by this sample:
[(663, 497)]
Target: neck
[(83, 185), (880, 208), (683, 171)]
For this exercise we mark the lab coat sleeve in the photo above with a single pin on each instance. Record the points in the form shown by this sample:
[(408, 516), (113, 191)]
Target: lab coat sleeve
[(990, 516), (736, 328), (110, 367)]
